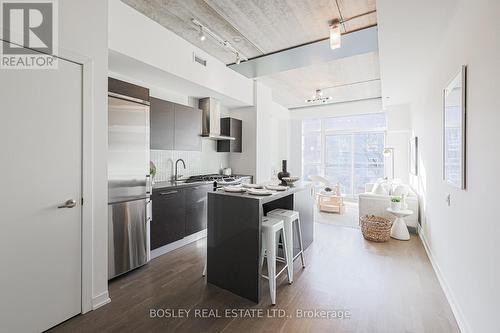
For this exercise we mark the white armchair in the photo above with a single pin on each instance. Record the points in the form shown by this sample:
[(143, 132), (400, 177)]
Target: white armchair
[(376, 204)]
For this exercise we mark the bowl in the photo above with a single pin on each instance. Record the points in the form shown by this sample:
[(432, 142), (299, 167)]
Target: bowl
[(290, 180)]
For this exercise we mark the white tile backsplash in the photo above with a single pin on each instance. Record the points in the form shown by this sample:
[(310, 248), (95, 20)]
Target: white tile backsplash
[(206, 161)]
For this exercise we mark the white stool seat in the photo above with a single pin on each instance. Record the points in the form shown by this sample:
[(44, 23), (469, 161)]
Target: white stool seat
[(290, 217), (273, 224), (287, 214), (270, 228)]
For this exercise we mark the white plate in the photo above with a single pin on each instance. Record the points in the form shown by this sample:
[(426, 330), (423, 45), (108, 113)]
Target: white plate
[(233, 189), (276, 187), (259, 192), (252, 185)]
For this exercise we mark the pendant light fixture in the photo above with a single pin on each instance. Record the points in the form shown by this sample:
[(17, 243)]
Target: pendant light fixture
[(335, 35), (317, 97), (202, 34)]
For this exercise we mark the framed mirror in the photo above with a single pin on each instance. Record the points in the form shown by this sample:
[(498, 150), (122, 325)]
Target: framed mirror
[(454, 159)]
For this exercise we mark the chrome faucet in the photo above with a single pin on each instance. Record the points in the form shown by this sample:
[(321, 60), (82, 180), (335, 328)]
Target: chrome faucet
[(176, 176)]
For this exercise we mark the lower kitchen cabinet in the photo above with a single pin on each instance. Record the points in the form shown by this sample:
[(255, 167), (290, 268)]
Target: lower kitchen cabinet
[(196, 203), (177, 213), (168, 220)]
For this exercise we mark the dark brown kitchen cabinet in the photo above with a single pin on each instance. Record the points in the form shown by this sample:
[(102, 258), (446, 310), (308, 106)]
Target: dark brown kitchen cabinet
[(169, 217), (127, 89), (196, 203), (174, 126), (161, 119), (178, 212), (187, 131), (230, 127)]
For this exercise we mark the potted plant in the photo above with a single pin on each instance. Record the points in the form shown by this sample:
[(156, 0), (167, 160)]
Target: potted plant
[(152, 171), (396, 203)]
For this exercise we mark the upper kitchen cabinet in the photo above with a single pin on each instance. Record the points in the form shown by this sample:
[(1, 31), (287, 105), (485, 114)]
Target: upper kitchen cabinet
[(127, 89), (174, 126), (162, 120), (187, 132), (230, 127)]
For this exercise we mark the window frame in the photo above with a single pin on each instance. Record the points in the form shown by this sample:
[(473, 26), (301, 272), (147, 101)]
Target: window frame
[(323, 148)]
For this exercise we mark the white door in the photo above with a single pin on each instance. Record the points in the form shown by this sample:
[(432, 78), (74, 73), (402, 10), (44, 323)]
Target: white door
[(40, 169)]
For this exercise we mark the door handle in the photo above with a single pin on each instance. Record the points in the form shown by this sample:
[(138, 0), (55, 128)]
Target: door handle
[(167, 193), (68, 204)]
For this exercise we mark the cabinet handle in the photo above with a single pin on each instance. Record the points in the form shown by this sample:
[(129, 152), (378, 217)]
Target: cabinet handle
[(167, 193)]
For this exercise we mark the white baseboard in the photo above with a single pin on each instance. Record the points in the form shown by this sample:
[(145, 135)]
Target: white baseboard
[(459, 317), (100, 300), (177, 244)]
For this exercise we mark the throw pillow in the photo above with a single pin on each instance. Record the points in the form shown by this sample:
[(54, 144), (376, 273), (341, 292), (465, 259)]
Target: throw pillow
[(379, 189)]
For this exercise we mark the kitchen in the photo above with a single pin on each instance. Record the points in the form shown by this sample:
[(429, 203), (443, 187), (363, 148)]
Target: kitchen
[(165, 207)]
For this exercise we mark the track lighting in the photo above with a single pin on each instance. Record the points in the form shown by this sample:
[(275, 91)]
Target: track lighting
[(222, 42), (202, 34)]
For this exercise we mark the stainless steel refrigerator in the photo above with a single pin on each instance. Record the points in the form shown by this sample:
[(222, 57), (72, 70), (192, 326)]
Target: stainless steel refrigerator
[(129, 184)]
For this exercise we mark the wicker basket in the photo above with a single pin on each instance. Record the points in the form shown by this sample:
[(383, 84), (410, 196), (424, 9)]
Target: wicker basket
[(375, 228)]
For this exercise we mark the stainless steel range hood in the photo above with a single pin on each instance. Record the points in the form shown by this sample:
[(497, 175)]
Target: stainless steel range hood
[(211, 119)]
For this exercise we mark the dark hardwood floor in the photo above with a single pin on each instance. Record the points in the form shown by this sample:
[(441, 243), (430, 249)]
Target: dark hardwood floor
[(388, 287)]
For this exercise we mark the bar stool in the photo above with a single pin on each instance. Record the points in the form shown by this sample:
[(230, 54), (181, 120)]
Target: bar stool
[(290, 217), (271, 227)]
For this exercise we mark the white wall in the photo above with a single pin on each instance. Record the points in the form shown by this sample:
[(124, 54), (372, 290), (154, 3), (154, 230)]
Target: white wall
[(265, 136), (83, 31), (272, 133), (154, 90), (398, 137), (140, 38), (246, 162), (461, 238)]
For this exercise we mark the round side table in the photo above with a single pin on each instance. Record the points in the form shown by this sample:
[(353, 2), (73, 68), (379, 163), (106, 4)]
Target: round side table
[(399, 229)]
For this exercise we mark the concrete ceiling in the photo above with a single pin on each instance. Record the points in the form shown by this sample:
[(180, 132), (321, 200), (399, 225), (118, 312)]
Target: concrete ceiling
[(346, 79), (255, 27)]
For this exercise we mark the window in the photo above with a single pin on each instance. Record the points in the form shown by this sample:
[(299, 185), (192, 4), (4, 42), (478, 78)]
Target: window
[(345, 150), (311, 148)]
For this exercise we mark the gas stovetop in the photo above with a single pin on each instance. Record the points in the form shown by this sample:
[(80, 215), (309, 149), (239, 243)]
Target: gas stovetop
[(220, 179)]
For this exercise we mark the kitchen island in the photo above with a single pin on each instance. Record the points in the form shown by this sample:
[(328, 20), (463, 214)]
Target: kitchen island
[(234, 235)]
